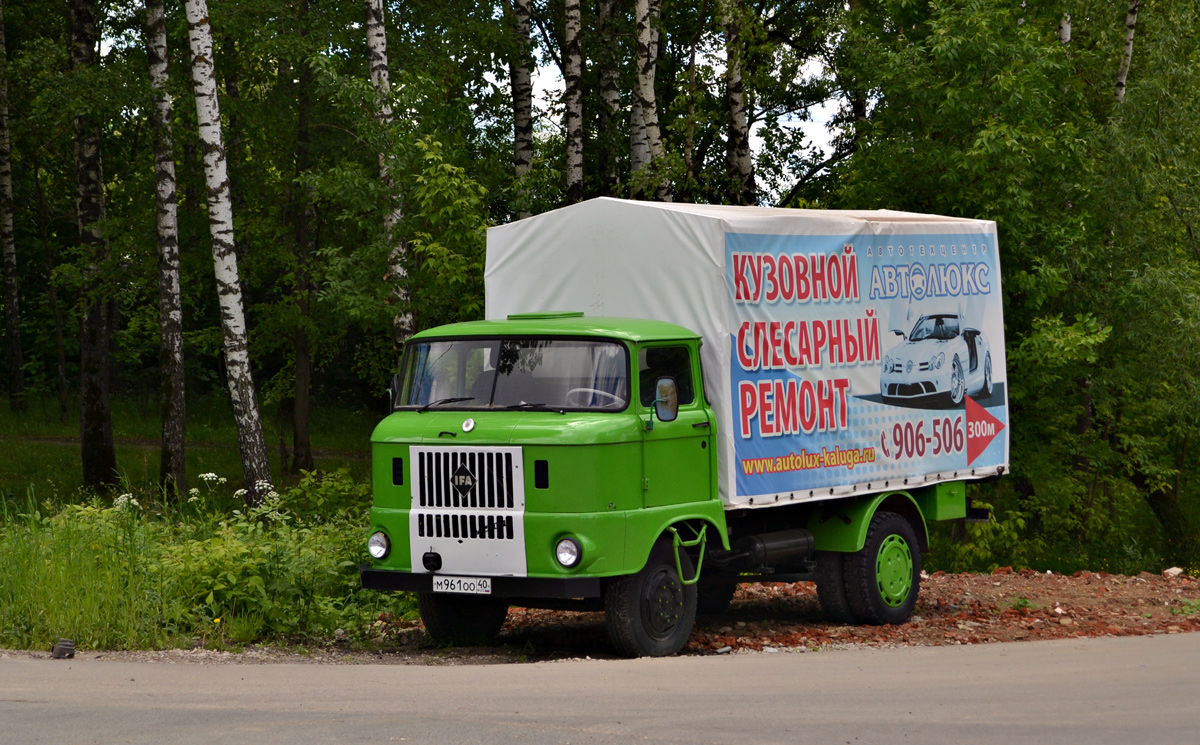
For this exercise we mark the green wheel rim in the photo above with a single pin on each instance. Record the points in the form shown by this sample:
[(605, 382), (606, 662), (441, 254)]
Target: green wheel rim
[(894, 570)]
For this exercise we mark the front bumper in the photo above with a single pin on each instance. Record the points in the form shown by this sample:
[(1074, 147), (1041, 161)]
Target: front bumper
[(914, 385), (504, 587)]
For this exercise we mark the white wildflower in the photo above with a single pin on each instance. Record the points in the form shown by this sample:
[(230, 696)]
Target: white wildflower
[(209, 477), (222, 480), (194, 492), (193, 498), (239, 494)]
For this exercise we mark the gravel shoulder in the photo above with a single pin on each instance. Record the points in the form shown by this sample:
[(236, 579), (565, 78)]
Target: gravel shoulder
[(772, 618)]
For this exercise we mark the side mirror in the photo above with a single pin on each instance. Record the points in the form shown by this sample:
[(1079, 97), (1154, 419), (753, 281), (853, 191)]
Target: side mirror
[(394, 391), (900, 333), (666, 399)]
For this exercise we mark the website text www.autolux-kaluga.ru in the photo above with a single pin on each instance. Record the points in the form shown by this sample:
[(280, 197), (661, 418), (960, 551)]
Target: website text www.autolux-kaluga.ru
[(804, 460)]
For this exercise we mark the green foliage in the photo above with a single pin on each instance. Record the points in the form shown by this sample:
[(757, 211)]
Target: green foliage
[(978, 109), (131, 576)]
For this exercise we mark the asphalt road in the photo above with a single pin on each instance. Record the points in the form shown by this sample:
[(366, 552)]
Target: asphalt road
[(1125, 690)]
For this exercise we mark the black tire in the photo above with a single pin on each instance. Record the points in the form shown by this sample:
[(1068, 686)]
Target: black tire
[(650, 614), (831, 587), (462, 620), (884, 578), (987, 375), (714, 595)]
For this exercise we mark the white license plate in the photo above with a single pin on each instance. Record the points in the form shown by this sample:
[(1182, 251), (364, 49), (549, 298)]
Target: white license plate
[(464, 585)]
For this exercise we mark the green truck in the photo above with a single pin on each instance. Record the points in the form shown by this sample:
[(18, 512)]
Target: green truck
[(725, 424)]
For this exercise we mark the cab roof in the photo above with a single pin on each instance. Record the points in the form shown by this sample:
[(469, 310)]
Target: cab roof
[(564, 324)]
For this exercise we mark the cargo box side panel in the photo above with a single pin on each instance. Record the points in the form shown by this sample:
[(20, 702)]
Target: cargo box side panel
[(863, 362)]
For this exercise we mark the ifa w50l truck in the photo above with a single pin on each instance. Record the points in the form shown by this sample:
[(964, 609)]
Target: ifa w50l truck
[(667, 400)]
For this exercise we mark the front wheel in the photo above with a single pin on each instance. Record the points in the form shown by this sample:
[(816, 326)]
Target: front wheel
[(883, 579), (462, 620), (650, 614)]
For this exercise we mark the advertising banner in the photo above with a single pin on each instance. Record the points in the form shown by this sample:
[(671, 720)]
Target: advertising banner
[(864, 362)]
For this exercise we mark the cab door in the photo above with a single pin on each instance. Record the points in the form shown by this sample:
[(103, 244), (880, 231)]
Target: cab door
[(676, 455)]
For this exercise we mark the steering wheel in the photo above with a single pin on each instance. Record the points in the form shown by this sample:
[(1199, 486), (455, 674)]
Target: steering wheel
[(583, 396)]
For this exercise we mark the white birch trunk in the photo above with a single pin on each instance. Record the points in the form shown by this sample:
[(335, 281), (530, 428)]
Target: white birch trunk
[(173, 472), (8, 247), (738, 162), (519, 67), (377, 64), (639, 147), (251, 443), (1064, 29), (572, 76), (647, 60), (1127, 57), (610, 91)]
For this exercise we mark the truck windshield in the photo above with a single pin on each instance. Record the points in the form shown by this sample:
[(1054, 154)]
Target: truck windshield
[(558, 374)]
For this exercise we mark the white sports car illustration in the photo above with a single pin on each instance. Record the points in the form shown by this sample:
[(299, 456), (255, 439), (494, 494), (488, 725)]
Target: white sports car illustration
[(938, 357)]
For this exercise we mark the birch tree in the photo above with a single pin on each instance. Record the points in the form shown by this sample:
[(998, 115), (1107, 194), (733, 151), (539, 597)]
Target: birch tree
[(99, 456), (377, 65), (172, 471), (738, 162), (520, 63), (648, 12), (8, 248), (572, 76), (1127, 58), (251, 443), (610, 91)]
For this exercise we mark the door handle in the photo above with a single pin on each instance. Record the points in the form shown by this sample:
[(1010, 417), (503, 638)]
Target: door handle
[(700, 424)]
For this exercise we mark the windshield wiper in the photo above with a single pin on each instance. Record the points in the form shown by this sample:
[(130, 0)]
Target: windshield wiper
[(441, 401), (539, 407)]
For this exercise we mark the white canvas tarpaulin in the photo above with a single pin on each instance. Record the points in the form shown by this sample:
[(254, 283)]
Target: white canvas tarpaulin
[(797, 310)]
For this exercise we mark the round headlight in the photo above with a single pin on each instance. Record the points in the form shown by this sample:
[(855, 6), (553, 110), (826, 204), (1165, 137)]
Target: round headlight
[(941, 359), (908, 366), (378, 545), (568, 552), (887, 364)]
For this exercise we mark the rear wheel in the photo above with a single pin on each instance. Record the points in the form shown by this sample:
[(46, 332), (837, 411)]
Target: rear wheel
[(883, 579), (831, 587), (650, 614), (462, 620)]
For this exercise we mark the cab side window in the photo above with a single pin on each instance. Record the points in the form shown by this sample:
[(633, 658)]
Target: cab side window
[(660, 362)]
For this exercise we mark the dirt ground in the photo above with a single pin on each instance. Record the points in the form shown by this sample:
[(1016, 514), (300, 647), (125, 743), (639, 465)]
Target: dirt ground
[(1004, 606)]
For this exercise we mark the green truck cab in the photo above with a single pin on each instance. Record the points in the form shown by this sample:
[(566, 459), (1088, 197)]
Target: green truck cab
[(563, 461)]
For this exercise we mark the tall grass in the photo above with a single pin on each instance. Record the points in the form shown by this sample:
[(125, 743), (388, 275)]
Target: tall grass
[(85, 573), (133, 575)]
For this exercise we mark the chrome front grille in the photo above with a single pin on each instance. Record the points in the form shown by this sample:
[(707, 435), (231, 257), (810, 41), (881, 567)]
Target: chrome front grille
[(491, 475), (446, 525), (468, 506)]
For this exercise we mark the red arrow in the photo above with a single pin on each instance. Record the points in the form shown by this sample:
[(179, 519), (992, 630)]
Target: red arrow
[(982, 428)]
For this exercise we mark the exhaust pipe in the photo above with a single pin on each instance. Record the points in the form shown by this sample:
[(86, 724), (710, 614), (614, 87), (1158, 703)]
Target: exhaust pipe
[(766, 549)]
